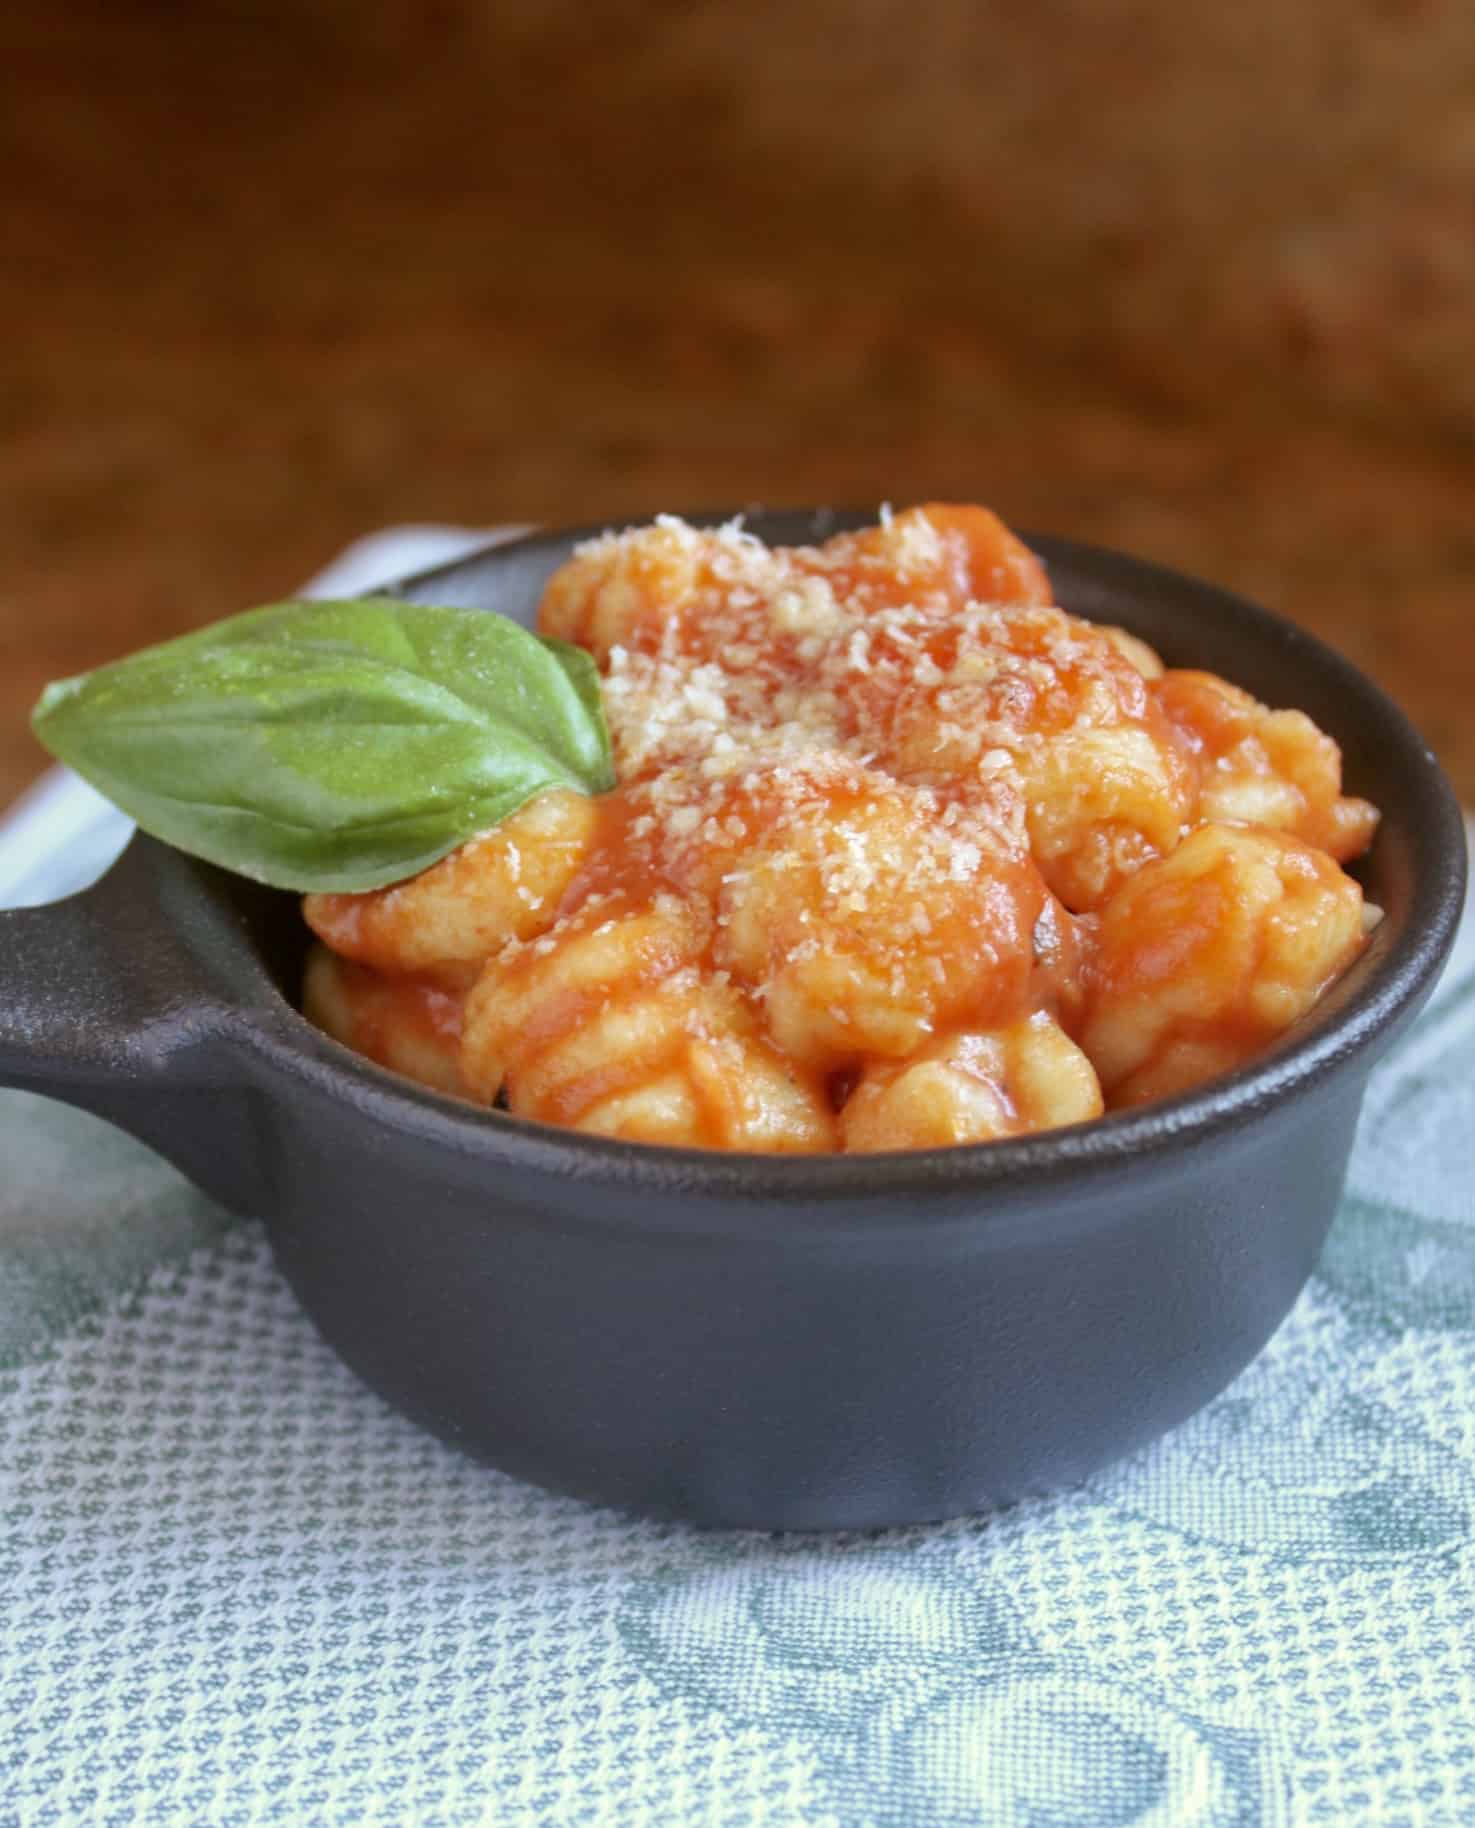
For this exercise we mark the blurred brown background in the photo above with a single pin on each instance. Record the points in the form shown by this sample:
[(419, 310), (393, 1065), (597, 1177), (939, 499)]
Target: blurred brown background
[(1195, 281)]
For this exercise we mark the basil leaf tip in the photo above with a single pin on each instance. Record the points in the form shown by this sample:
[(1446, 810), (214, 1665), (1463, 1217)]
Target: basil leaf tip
[(333, 746)]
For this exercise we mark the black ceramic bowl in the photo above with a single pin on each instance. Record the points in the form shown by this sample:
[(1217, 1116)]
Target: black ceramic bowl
[(753, 1340)]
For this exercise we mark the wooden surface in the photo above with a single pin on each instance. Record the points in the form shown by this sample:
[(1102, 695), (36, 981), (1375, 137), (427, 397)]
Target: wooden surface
[(272, 281)]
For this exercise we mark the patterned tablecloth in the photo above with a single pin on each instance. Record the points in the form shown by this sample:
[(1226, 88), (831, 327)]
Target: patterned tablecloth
[(236, 1589)]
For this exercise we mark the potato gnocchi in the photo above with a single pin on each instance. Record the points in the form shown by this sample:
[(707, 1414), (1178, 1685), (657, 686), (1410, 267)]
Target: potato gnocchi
[(902, 855)]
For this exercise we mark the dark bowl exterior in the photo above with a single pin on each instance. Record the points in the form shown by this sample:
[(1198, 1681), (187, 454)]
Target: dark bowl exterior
[(887, 1361), (772, 1343)]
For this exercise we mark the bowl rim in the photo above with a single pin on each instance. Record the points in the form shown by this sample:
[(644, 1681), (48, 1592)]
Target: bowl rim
[(1360, 1014)]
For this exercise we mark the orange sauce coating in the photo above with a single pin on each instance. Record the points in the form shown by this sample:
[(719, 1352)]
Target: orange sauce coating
[(880, 802)]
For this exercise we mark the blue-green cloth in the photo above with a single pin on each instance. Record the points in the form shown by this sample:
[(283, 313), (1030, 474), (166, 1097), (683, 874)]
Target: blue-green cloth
[(236, 1589)]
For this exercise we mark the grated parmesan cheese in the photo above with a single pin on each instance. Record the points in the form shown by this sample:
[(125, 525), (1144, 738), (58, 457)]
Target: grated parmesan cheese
[(830, 746)]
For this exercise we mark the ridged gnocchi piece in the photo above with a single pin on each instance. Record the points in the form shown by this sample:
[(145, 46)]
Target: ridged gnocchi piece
[(933, 694), (1205, 956), (950, 552), (1264, 767), (864, 923), (1102, 802), (412, 1025), (610, 1025), (971, 1087), (623, 587), (1107, 780), (504, 885)]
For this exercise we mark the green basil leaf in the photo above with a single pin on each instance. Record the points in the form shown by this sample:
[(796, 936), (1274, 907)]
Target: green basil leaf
[(337, 745)]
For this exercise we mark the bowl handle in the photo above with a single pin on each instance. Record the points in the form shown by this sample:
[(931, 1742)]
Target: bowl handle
[(101, 1007), (79, 1001)]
